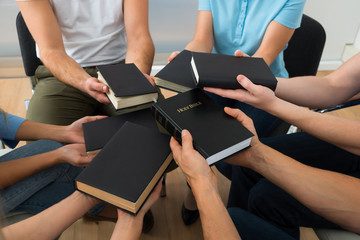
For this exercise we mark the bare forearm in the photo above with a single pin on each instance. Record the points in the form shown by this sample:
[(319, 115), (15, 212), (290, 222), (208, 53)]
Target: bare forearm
[(127, 227), (323, 92), (338, 131), (332, 195), (141, 53), (30, 131), (16, 170), (200, 46), (215, 220), (52, 222), (310, 91), (65, 68)]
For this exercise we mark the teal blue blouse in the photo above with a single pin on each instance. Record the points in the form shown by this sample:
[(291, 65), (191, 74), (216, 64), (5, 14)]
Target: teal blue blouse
[(241, 24), (9, 128)]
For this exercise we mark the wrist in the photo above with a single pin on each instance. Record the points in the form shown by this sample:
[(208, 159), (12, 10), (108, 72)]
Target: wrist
[(127, 226), (88, 200), (56, 156), (203, 185), (259, 157), (82, 83)]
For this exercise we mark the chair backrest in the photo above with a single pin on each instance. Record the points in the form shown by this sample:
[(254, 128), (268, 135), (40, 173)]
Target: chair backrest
[(303, 54), (27, 47)]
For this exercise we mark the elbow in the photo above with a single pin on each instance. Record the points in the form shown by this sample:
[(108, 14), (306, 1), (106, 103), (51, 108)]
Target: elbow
[(47, 54)]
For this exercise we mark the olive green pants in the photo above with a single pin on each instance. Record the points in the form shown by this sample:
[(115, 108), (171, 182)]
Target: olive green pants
[(54, 102)]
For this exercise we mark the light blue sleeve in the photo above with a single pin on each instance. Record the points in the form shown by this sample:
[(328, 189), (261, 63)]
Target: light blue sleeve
[(9, 128), (204, 5), (291, 14)]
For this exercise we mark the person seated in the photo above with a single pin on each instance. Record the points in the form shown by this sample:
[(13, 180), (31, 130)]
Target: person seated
[(309, 178), (50, 223), (215, 220), (35, 176), (258, 28), (73, 38)]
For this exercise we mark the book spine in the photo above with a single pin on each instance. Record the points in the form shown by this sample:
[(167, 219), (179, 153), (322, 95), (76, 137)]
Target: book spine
[(169, 125), (173, 129)]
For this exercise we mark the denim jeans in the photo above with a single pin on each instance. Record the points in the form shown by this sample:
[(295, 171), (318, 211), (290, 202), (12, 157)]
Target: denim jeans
[(42, 189), (252, 192)]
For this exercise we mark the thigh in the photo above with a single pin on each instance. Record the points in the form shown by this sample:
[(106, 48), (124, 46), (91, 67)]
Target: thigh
[(277, 207), (253, 227), (242, 181), (46, 197), (54, 102)]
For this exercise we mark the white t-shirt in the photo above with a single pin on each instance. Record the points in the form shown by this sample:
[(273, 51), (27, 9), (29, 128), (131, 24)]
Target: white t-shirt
[(93, 30)]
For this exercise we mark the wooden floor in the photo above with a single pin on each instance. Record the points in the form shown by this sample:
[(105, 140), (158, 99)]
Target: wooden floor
[(168, 223)]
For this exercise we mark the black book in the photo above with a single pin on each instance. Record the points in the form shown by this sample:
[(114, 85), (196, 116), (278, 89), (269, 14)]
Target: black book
[(128, 168), (216, 135), (220, 71), (177, 74), (98, 133), (128, 87)]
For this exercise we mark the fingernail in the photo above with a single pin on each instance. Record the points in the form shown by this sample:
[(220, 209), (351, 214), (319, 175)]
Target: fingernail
[(104, 89), (183, 133)]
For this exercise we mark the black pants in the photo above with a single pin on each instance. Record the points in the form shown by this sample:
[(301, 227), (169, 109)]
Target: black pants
[(252, 192)]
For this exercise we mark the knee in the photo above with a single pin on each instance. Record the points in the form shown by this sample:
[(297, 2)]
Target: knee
[(45, 145), (264, 200), (224, 168)]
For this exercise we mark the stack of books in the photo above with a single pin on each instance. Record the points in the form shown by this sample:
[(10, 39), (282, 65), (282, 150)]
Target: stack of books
[(132, 154)]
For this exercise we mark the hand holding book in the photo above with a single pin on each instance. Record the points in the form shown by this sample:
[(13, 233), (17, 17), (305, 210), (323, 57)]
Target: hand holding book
[(191, 162), (97, 89), (128, 87), (252, 94), (218, 70)]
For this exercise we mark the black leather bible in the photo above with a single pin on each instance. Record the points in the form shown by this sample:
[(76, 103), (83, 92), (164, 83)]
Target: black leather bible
[(216, 135), (220, 71), (128, 87), (98, 133), (177, 74), (127, 169)]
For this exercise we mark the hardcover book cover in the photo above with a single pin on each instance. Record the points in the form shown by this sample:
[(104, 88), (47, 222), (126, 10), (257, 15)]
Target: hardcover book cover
[(177, 74), (98, 133), (128, 168), (216, 135), (220, 71), (127, 85)]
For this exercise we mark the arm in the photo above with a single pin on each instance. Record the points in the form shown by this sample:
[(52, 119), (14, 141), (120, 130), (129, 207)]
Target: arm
[(129, 226), (323, 92), (215, 220), (73, 133), (15, 170), (328, 128), (44, 27), (332, 195), (140, 48), (204, 36), (50, 223), (275, 39)]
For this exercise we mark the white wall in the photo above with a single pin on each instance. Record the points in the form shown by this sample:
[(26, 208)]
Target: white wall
[(9, 46), (341, 20), (172, 24)]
